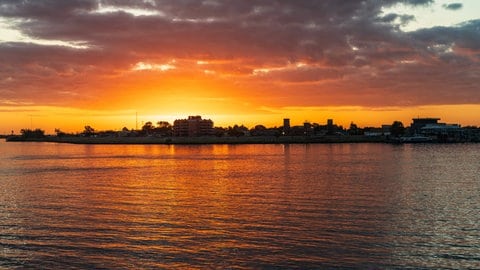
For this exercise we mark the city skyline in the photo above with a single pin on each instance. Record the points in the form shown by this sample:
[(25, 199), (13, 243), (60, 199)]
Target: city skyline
[(182, 125), (197, 130), (109, 64)]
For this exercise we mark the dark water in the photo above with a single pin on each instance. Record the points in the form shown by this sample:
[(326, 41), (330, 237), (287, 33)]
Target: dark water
[(239, 207)]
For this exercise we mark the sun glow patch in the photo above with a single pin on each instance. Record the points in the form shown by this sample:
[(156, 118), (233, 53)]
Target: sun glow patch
[(148, 66), (8, 102), (196, 20), (290, 66), (132, 11), (408, 62), (209, 72), (258, 71)]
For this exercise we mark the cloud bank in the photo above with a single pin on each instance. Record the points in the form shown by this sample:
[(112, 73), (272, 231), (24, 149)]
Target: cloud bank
[(281, 53)]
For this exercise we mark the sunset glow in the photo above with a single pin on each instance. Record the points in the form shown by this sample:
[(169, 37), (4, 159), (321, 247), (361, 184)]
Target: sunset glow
[(115, 64)]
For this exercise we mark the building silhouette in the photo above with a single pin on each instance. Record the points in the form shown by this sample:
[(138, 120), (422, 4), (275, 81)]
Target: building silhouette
[(307, 129), (194, 126), (331, 128), (286, 126), (419, 123)]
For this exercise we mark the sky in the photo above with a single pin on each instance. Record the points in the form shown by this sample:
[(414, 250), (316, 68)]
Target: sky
[(118, 63)]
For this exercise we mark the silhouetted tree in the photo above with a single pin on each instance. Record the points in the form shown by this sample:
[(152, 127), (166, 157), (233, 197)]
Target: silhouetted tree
[(163, 125), (164, 128), (59, 132), (237, 131), (88, 131), (219, 131), (258, 130), (147, 128), (354, 130), (28, 133), (397, 129)]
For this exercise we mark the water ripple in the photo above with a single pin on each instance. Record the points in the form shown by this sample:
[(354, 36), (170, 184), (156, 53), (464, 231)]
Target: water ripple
[(240, 207)]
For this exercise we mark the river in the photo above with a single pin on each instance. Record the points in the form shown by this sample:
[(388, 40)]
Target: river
[(304, 206)]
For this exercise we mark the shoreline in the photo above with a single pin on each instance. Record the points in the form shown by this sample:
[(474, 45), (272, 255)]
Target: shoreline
[(204, 140)]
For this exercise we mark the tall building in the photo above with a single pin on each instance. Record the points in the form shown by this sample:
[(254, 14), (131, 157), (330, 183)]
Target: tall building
[(194, 126), (286, 126), (330, 127)]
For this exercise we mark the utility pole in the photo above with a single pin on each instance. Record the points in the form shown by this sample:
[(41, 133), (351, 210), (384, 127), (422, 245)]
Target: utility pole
[(136, 120)]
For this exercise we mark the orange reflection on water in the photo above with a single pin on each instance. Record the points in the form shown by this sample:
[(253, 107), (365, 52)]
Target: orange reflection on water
[(249, 206)]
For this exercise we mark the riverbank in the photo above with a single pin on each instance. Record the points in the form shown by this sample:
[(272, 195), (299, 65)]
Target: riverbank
[(203, 140)]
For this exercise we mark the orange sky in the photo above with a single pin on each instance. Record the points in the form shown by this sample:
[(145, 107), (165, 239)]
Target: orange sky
[(100, 63)]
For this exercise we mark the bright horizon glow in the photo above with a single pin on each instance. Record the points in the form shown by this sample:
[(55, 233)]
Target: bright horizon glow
[(74, 120)]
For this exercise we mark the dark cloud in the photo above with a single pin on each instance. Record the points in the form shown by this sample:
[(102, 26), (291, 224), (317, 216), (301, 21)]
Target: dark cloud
[(453, 6), (467, 35), (50, 10), (350, 46), (418, 2)]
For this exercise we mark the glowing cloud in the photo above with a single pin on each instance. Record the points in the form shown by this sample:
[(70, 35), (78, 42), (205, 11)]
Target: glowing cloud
[(148, 66)]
